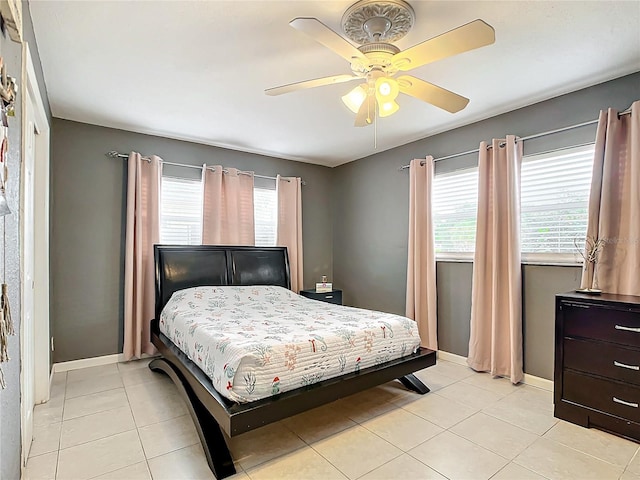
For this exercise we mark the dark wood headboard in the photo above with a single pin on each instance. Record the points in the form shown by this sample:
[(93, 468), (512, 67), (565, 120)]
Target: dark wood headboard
[(184, 266)]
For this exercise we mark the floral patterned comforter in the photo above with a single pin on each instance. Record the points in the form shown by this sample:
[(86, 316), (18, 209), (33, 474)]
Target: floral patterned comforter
[(258, 341)]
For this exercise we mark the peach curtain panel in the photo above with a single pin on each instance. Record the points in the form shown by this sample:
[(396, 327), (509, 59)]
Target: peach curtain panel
[(614, 203), (227, 213), (142, 232), (289, 233), (495, 343), (421, 262)]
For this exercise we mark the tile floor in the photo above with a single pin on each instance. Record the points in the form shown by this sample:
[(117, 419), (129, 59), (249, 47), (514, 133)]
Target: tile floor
[(125, 422)]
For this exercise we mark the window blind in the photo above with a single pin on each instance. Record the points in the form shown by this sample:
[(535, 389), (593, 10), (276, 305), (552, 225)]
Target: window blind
[(265, 212), (181, 211), (455, 204), (554, 200)]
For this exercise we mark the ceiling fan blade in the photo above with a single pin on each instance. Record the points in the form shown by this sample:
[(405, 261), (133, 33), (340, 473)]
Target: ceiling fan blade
[(327, 37), (367, 112), (473, 35), (318, 82), (430, 93)]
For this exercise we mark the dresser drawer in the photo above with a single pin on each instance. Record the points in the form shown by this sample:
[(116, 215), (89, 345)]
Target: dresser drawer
[(606, 324), (606, 359), (334, 296), (608, 396)]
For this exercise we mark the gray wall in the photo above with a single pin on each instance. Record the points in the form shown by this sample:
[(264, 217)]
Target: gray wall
[(10, 447), (29, 36), (370, 214), (87, 226)]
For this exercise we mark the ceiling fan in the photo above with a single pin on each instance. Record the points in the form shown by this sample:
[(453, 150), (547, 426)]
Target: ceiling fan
[(374, 25)]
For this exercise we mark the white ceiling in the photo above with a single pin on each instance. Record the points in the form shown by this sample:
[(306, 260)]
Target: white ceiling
[(197, 70)]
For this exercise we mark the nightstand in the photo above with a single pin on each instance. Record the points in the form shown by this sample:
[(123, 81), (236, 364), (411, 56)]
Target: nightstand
[(334, 296)]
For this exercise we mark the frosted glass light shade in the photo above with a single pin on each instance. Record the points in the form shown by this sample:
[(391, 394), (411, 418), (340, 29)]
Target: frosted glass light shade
[(388, 108), (353, 100)]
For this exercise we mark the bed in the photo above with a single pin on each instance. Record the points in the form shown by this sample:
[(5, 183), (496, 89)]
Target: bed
[(180, 269)]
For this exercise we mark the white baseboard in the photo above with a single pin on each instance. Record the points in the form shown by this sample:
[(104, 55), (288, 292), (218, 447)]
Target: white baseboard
[(532, 380), (88, 362), (92, 362)]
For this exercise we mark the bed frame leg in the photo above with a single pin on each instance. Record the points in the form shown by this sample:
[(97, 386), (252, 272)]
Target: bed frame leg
[(413, 383), (211, 436)]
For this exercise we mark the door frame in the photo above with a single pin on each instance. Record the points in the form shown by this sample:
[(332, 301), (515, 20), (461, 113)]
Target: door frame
[(41, 341)]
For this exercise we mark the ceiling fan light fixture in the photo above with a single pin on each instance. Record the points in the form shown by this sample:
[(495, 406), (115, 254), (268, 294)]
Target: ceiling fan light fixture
[(386, 89), (353, 100), (388, 108)]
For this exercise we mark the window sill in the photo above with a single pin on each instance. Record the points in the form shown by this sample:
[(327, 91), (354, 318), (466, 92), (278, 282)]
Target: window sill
[(548, 260)]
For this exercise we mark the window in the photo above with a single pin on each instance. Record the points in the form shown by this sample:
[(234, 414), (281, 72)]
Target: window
[(554, 201), (455, 204), (265, 213), (181, 213)]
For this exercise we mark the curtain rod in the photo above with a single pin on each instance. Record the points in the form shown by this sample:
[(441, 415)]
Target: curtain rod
[(530, 137), (114, 154)]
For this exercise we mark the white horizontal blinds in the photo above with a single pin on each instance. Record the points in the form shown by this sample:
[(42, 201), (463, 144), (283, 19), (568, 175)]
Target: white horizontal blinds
[(554, 200), (455, 204), (181, 211), (265, 211)]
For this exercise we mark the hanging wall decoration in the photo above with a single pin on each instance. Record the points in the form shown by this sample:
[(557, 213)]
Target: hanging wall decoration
[(8, 92)]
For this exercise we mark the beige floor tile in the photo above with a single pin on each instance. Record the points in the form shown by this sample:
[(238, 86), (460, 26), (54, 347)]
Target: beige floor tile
[(356, 451), (367, 404), (402, 429), (87, 386), (629, 475), (186, 463), (470, 395), (536, 397), (57, 391), (440, 410), (599, 444), (556, 461), (398, 394), (455, 457), (42, 467), (634, 464), (134, 365), (91, 372), (167, 436), (159, 409), (524, 411), (318, 423), (96, 426), (263, 444), (46, 439), (452, 370), (59, 378), (100, 456), (137, 471), (434, 379), (94, 403), (50, 412), (136, 376), (404, 467), (500, 437), (304, 463), (513, 471), (147, 391), (493, 384)]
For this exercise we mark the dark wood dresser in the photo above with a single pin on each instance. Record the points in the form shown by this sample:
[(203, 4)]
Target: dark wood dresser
[(597, 362), (334, 296)]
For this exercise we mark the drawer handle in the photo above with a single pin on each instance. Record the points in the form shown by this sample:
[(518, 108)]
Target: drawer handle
[(628, 329), (328, 296), (622, 402), (624, 365)]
